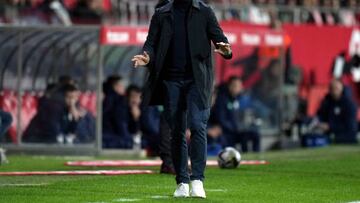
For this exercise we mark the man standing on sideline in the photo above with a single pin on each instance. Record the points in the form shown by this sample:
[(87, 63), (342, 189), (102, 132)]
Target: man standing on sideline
[(178, 53)]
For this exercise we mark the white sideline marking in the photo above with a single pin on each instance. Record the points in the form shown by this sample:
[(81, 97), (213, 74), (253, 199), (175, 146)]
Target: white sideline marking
[(81, 158), (23, 184), (126, 200), (354, 202), (215, 190), (159, 197)]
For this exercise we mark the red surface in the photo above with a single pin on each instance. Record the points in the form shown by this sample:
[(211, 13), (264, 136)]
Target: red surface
[(314, 48), (135, 163), (98, 172)]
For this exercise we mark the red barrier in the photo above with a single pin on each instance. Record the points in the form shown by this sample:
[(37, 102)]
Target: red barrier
[(313, 48)]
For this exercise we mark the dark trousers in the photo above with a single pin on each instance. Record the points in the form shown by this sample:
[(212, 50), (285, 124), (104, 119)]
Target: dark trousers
[(5, 122), (165, 142), (183, 110)]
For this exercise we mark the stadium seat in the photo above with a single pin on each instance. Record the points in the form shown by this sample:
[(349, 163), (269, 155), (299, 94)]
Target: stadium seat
[(29, 109), (8, 103), (88, 101)]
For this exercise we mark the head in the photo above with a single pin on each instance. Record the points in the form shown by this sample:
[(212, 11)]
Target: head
[(65, 80), (72, 94), (115, 82), (235, 86), (133, 94), (336, 89)]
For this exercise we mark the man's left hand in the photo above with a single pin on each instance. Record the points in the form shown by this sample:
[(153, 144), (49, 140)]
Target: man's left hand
[(223, 48)]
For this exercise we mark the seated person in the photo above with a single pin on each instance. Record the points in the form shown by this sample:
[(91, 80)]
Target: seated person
[(235, 112), (115, 115), (133, 96), (77, 125), (5, 123), (337, 114), (69, 125), (44, 127), (215, 138), (150, 129)]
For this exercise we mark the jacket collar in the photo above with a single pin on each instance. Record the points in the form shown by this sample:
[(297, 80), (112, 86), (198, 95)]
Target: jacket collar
[(168, 7)]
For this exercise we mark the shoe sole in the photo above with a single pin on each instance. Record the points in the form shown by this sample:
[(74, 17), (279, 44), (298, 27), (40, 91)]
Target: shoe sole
[(181, 196), (196, 196)]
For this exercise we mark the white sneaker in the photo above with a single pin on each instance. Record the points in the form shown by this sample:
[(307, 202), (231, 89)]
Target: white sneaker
[(182, 190), (197, 189)]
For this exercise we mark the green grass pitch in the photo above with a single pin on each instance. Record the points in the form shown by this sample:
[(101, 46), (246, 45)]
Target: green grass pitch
[(329, 174)]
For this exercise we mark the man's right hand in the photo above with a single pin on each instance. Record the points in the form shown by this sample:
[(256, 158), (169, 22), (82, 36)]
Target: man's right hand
[(141, 60)]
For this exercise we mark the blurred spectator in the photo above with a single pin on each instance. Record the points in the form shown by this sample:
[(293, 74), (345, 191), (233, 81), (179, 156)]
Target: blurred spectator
[(9, 11), (267, 89), (88, 12), (319, 12), (55, 12), (337, 114), (330, 12), (115, 116), (150, 129), (215, 139), (259, 15), (235, 111), (77, 125), (5, 122), (311, 13), (339, 65), (287, 15), (60, 119), (44, 127), (133, 94), (346, 15)]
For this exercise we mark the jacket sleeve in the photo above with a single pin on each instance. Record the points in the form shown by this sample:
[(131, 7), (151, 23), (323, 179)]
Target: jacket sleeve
[(152, 38), (215, 32)]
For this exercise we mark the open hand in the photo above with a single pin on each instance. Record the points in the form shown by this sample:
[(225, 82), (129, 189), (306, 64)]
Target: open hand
[(223, 48), (141, 60)]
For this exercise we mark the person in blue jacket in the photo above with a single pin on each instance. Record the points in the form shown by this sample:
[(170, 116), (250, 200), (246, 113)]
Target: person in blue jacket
[(236, 113), (5, 122), (337, 114), (150, 128)]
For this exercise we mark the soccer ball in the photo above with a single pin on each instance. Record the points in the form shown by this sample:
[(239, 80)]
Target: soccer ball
[(229, 158)]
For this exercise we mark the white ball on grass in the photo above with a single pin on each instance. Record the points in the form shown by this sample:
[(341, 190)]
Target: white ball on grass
[(229, 158)]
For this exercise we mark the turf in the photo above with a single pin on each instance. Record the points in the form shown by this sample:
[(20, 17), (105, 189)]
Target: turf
[(329, 174)]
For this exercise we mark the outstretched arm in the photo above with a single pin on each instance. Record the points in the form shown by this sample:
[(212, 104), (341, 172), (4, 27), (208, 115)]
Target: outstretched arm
[(148, 48), (217, 36)]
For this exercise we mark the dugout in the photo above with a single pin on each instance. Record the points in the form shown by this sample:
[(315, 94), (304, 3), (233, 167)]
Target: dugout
[(31, 58)]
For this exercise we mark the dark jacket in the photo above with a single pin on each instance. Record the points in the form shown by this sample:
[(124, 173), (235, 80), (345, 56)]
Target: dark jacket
[(237, 114), (202, 29), (115, 114), (341, 117)]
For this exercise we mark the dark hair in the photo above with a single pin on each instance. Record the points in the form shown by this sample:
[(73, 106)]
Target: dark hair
[(65, 79), (133, 88), (70, 88), (113, 79), (110, 82), (233, 79)]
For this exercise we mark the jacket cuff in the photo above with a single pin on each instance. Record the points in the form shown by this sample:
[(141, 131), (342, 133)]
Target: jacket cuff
[(229, 56)]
